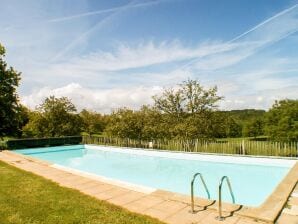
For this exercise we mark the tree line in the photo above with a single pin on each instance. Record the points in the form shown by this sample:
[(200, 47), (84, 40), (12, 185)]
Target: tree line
[(187, 111)]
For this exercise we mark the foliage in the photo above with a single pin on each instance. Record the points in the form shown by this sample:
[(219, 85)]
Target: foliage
[(93, 122), (27, 198), (55, 117), (10, 109), (233, 128), (253, 128), (282, 121), (155, 125), (188, 110), (190, 98), (193, 126), (183, 113), (239, 123), (125, 123)]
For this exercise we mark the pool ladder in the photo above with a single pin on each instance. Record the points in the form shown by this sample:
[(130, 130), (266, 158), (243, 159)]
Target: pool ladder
[(220, 217), (192, 190)]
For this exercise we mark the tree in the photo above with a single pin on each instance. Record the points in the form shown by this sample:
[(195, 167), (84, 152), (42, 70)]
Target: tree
[(170, 102), (282, 121), (253, 128), (144, 124), (155, 125), (36, 127), (9, 104), (188, 109), (189, 98), (23, 118), (54, 117), (233, 128), (125, 123), (93, 123), (195, 126), (196, 99)]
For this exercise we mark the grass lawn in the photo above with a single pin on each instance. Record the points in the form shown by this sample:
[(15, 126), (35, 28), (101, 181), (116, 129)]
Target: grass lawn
[(27, 198)]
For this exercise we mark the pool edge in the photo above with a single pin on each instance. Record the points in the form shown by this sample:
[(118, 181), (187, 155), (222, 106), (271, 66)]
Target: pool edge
[(273, 205), (268, 211)]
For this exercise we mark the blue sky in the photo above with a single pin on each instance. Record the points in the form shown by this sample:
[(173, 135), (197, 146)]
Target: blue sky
[(109, 54)]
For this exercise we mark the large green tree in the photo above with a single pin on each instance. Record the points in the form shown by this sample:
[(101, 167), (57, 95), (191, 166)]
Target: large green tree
[(189, 98), (54, 117), (185, 112), (188, 109), (282, 121), (10, 109)]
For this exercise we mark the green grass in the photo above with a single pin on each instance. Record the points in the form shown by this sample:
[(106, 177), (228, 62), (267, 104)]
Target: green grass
[(27, 198)]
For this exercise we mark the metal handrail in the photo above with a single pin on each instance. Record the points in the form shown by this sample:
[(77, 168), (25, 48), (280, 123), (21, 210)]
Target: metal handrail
[(220, 217), (192, 190)]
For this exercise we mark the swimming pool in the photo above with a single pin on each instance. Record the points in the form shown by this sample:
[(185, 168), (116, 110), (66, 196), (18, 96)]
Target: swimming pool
[(252, 179)]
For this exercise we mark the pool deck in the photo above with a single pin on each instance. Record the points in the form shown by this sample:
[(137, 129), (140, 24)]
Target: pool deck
[(281, 207)]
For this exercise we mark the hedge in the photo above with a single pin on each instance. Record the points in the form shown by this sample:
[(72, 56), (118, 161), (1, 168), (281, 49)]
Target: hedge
[(42, 142)]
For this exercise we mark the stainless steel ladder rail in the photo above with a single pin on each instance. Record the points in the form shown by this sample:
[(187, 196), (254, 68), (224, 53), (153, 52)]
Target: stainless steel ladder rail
[(220, 217), (192, 190)]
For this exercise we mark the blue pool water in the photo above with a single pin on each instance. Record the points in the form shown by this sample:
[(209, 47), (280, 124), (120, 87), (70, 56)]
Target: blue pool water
[(252, 182)]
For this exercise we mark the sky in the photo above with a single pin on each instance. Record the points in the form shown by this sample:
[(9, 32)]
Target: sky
[(105, 54)]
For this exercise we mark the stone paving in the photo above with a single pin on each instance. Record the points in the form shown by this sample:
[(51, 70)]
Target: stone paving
[(162, 205), (290, 211)]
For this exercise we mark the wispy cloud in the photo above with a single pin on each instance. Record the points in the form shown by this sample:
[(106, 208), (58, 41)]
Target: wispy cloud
[(103, 11), (266, 33), (142, 55), (267, 21), (99, 25), (131, 71), (205, 57)]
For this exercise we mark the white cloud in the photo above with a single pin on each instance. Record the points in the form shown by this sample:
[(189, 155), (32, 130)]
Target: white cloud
[(259, 100), (106, 100), (99, 100)]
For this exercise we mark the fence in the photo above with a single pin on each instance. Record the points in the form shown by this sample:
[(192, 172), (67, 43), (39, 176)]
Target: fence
[(241, 147)]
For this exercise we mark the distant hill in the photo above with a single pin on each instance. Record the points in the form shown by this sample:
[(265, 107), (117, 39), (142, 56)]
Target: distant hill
[(245, 114)]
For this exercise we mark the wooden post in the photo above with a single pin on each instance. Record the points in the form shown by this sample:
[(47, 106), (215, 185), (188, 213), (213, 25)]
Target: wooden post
[(243, 148)]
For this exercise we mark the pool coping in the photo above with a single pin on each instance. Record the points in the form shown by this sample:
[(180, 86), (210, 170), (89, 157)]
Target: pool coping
[(199, 153), (273, 205), (268, 211)]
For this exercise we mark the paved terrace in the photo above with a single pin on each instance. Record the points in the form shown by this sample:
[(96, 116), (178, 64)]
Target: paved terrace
[(166, 206)]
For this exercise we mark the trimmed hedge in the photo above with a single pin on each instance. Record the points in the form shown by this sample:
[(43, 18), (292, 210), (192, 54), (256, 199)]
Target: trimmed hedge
[(3, 145), (42, 142)]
